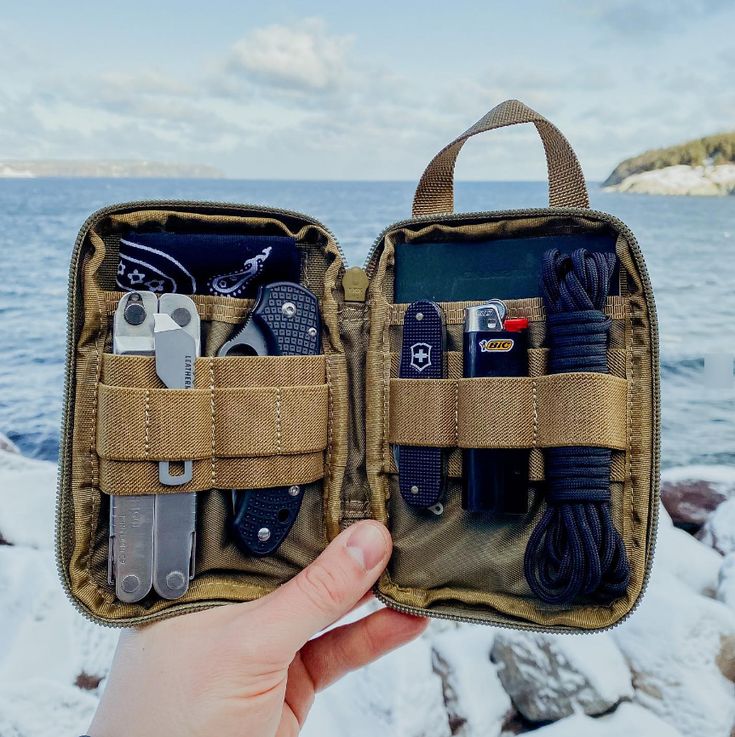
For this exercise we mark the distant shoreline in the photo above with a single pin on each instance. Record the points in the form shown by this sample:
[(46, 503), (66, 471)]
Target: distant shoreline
[(592, 184), (105, 169)]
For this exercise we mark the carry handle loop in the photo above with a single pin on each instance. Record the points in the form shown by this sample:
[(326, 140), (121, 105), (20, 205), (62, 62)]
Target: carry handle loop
[(567, 188)]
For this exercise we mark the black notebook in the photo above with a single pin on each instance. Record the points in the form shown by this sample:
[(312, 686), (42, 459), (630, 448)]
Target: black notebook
[(509, 268)]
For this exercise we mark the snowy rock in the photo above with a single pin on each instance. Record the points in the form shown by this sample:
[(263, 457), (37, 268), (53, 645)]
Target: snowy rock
[(417, 683), (474, 698), (691, 493), (694, 564), (27, 501), (52, 661), (40, 632), (399, 694), (630, 720), (550, 677), (726, 582), (681, 179), (680, 648), (719, 529), (41, 708)]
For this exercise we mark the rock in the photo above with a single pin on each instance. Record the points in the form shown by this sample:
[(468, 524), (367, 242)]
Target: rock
[(691, 493), (719, 529), (681, 179), (550, 677), (474, 698), (694, 564), (7, 445), (630, 720), (679, 646)]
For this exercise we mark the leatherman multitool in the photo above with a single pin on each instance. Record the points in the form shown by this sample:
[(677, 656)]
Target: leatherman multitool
[(153, 537), (284, 321)]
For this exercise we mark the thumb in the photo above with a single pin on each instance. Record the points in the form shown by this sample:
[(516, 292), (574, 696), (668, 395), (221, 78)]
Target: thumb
[(328, 588)]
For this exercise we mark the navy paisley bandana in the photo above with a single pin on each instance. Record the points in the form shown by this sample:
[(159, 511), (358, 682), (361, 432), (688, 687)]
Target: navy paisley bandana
[(201, 263)]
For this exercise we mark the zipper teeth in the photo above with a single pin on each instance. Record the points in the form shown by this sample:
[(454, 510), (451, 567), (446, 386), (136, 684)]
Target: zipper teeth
[(418, 611), (622, 228), (66, 443)]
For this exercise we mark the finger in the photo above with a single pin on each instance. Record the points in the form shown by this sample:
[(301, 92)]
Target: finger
[(364, 599), (289, 725), (300, 689), (343, 649), (326, 589)]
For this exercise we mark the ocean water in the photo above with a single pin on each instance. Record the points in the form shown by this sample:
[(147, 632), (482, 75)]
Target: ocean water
[(688, 243)]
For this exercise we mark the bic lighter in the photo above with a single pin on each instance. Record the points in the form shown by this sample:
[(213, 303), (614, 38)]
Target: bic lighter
[(495, 480)]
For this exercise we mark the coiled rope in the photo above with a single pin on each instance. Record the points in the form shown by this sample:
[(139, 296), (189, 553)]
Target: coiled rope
[(575, 549)]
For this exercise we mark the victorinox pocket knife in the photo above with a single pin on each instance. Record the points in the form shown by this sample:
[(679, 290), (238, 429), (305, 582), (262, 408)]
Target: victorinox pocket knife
[(421, 469), (284, 321)]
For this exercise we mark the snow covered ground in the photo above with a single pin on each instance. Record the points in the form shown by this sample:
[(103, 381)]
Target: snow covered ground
[(681, 180), (667, 671)]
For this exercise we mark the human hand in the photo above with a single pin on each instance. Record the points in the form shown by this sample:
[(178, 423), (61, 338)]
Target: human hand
[(251, 668)]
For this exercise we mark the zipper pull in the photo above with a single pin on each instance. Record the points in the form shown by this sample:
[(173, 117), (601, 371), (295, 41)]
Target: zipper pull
[(355, 283)]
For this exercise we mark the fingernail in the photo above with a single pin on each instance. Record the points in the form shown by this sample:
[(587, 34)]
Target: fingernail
[(367, 545)]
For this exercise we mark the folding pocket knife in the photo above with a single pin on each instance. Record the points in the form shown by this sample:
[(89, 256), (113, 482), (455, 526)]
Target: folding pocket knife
[(420, 469), (284, 321)]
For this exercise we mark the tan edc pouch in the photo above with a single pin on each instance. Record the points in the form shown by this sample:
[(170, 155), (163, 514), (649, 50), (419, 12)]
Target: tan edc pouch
[(328, 422)]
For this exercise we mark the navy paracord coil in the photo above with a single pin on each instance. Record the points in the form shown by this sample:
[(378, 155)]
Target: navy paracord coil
[(575, 550)]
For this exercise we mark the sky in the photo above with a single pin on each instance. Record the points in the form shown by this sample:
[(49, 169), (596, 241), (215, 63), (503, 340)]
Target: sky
[(368, 90)]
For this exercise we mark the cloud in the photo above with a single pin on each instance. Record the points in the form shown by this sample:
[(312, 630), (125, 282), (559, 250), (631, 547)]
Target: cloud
[(303, 57), (284, 100), (635, 18), (297, 101), (149, 82)]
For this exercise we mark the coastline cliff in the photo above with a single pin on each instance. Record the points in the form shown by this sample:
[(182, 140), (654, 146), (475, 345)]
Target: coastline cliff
[(703, 166)]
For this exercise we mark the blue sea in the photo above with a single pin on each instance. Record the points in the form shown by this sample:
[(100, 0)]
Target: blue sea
[(688, 243)]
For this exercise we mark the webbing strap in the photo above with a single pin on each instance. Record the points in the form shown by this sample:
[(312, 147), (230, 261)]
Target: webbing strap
[(138, 424), (510, 411), (567, 188), (136, 477)]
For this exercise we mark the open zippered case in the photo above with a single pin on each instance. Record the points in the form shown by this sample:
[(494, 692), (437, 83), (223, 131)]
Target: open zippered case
[(329, 423)]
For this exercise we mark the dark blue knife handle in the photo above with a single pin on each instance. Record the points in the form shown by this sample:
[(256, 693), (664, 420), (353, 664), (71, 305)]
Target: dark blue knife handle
[(421, 470), (262, 518), (297, 334), (272, 510)]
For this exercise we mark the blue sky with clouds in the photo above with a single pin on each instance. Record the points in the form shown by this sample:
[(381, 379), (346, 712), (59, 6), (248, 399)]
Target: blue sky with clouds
[(338, 90)]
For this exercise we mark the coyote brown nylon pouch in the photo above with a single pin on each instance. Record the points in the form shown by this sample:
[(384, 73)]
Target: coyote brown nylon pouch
[(329, 422)]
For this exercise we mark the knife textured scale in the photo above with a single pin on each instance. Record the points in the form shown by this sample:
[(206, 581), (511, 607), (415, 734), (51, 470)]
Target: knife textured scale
[(420, 469)]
